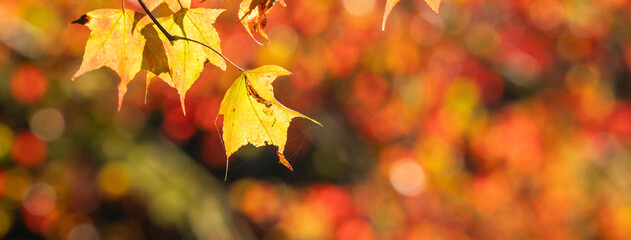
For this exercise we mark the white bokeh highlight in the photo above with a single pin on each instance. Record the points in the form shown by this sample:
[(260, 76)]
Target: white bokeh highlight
[(47, 124), (407, 177)]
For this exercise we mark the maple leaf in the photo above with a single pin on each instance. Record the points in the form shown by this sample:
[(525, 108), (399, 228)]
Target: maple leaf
[(112, 43), (185, 59), (154, 57), (434, 4), (252, 115), (152, 4), (174, 5), (253, 15)]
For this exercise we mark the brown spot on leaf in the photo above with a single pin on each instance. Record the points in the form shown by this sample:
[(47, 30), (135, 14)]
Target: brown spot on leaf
[(255, 94), (83, 20)]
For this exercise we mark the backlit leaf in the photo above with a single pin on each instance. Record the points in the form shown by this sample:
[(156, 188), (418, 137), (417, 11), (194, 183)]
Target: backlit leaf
[(174, 5), (186, 59), (152, 4), (112, 43), (252, 115)]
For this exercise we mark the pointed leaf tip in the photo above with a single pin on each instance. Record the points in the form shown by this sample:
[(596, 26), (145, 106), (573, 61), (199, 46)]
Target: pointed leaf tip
[(122, 90), (182, 103), (147, 88), (434, 4), (185, 59), (389, 6), (282, 160)]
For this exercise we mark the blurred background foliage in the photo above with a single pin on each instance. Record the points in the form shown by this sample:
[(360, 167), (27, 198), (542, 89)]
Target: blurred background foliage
[(492, 120)]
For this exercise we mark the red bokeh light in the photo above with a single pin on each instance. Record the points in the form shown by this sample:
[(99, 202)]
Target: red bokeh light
[(2, 182), (213, 152), (355, 228), (331, 201), (46, 224), (28, 150), (28, 84), (341, 57), (177, 126), (206, 113), (620, 122)]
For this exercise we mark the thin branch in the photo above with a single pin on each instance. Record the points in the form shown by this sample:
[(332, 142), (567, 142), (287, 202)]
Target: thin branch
[(155, 21), (173, 38)]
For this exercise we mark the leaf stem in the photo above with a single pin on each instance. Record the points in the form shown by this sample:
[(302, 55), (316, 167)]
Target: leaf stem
[(173, 38)]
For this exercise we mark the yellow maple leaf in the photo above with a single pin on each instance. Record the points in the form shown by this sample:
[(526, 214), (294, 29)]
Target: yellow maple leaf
[(434, 4), (186, 59), (174, 5), (253, 15), (112, 43), (153, 4), (252, 115)]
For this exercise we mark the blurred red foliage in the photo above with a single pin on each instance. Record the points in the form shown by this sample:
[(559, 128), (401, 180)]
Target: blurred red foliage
[(491, 120), (28, 84), (28, 150)]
